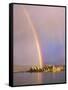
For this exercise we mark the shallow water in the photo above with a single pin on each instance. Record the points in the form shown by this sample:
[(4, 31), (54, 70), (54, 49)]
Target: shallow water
[(28, 78)]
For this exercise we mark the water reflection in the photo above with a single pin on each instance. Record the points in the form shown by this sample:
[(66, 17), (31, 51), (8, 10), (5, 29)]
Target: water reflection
[(38, 78)]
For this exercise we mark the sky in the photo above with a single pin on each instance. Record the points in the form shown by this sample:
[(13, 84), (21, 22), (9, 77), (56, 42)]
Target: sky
[(49, 24)]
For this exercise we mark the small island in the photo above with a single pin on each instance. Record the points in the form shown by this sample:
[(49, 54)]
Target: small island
[(47, 68)]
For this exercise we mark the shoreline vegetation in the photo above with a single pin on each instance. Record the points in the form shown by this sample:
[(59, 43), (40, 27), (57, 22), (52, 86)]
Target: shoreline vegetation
[(37, 68), (47, 68)]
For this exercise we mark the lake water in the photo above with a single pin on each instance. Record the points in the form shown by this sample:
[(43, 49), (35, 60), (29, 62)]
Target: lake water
[(28, 78)]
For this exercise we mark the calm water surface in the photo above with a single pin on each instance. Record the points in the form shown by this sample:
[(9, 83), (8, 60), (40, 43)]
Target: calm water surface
[(38, 78)]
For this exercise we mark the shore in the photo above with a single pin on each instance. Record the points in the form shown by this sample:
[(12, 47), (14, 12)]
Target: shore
[(47, 68)]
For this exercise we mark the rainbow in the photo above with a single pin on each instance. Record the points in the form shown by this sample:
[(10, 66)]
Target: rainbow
[(35, 36)]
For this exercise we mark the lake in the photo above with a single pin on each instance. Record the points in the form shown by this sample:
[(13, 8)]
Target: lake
[(27, 78)]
